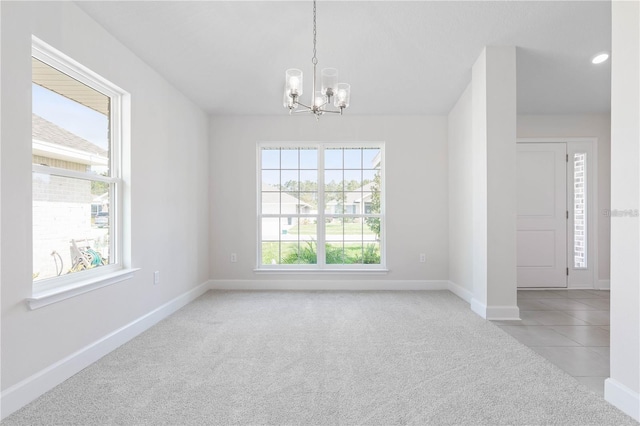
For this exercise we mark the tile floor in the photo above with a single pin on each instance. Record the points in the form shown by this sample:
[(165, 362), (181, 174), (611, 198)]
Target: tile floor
[(570, 328)]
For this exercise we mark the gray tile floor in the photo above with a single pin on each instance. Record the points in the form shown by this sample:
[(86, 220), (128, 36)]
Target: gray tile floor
[(570, 328)]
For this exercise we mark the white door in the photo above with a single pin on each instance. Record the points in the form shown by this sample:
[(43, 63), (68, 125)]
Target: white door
[(542, 214)]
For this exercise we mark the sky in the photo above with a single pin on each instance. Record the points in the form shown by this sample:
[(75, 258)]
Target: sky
[(71, 116), (280, 165)]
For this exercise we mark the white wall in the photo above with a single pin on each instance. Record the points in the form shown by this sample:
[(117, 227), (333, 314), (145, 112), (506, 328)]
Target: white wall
[(493, 93), (460, 192), (594, 125), (416, 191), (169, 192), (622, 389)]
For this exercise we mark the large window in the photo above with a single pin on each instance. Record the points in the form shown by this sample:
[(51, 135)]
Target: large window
[(76, 171), (321, 206)]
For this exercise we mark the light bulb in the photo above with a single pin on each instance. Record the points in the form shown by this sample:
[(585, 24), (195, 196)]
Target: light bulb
[(294, 82), (319, 99), (342, 95)]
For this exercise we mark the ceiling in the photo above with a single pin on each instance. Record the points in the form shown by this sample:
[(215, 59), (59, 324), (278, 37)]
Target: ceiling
[(399, 57)]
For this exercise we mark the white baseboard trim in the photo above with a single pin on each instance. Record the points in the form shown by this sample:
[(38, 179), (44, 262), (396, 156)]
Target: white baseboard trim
[(504, 313), (332, 285), (22, 393), (604, 285), (460, 291), (623, 398)]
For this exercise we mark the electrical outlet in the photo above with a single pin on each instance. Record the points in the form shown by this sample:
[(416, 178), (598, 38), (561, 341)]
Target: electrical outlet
[(156, 277), (423, 257), (234, 258)]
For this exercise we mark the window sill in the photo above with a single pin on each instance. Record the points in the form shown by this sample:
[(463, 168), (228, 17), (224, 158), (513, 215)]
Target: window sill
[(47, 297), (322, 271)]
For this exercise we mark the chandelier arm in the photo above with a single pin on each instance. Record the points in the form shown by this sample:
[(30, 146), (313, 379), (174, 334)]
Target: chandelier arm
[(331, 111), (303, 111), (303, 105)]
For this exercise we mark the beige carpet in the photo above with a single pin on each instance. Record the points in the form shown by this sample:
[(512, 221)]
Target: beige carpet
[(322, 358)]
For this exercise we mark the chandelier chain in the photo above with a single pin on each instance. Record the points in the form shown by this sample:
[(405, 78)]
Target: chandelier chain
[(314, 60)]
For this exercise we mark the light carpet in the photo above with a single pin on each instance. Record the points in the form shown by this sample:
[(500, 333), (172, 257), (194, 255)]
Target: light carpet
[(322, 358)]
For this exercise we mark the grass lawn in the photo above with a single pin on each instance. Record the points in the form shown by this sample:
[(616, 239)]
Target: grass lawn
[(352, 254)]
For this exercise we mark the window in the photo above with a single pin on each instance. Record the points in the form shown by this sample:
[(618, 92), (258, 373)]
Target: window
[(580, 210), (321, 206), (76, 173)]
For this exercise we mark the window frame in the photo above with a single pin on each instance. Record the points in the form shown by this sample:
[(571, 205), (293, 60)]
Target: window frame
[(51, 288), (321, 266)]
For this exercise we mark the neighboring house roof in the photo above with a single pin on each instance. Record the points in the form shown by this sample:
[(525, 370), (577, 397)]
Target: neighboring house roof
[(356, 196), (50, 140), (271, 195)]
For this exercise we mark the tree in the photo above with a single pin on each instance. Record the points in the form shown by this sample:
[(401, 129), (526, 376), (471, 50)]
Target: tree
[(99, 188), (374, 222)]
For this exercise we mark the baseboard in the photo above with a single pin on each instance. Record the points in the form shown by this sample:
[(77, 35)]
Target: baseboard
[(504, 313), (351, 285), (460, 291), (623, 398), (22, 393), (604, 285)]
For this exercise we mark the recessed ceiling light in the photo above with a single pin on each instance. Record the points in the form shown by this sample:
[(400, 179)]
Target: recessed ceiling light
[(600, 58)]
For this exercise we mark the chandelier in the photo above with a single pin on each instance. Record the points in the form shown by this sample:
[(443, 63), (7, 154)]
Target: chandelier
[(321, 99)]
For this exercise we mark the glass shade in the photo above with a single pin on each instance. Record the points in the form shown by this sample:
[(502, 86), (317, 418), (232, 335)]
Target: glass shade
[(293, 82), (343, 94), (329, 79), (319, 100), (287, 100)]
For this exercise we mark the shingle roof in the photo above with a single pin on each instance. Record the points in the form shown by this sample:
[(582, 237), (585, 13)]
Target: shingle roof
[(46, 131), (271, 195)]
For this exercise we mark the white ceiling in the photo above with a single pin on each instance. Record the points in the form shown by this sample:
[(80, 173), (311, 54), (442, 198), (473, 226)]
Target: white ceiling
[(399, 57)]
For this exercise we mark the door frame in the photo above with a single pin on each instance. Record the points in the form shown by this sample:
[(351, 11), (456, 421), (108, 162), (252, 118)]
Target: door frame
[(579, 278)]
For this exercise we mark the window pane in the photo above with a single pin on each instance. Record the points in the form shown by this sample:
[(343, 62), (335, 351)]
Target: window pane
[(334, 253), (289, 158), (70, 122), (353, 203), (333, 158), (353, 229), (289, 254), (270, 158), (371, 253), (352, 253), (371, 229), (352, 180), (353, 158), (369, 175), (271, 203), (334, 202), (308, 180), (270, 253), (289, 180), (333, 180), (308, 158), (271, 229), (71, 225), (580, 210), (308, 202), (334, 229), (371, 158), (270, 180)]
